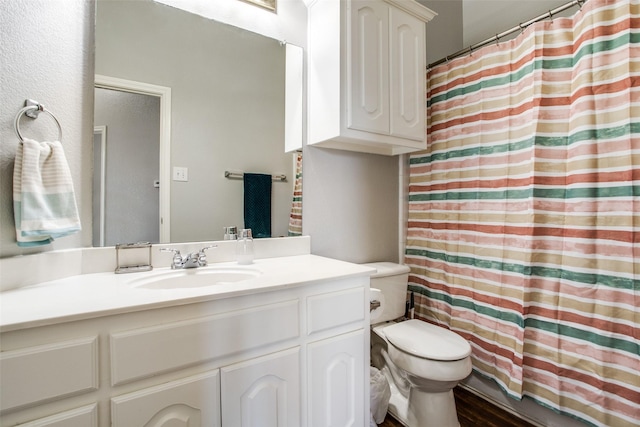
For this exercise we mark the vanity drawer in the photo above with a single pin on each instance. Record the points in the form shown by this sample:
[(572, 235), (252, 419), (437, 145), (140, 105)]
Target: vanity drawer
[(333, 309), (47, 372), (147, 351)]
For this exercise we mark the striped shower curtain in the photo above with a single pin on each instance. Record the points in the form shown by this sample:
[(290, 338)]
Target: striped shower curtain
[(295, 217), (524, 211)]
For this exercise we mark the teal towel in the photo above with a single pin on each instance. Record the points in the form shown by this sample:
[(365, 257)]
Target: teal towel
[(257, 204)]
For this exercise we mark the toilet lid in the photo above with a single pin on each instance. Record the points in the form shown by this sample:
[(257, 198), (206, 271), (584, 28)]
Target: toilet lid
[(427, 341)]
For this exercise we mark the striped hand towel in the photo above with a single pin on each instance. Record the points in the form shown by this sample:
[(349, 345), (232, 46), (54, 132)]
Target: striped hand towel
[(44, 204)]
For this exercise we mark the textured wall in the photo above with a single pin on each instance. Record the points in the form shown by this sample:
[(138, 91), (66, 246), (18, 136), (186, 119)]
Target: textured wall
[(444, 32), (47, 54), (350, 205), (486, 18)]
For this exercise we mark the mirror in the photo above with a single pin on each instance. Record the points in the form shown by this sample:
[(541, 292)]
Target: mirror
[(227, 114)]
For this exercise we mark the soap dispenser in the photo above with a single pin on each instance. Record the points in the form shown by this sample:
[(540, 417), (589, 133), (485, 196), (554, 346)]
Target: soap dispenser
[(244, 247), (230, 233)]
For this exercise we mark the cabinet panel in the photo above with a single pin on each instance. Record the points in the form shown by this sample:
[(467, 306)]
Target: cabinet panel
[(368, 60), (336, 381), (408, 76), (334, 309), (87, 416), (262, 392), (47, 372), (293, 109), (190, 402), (146, 351)]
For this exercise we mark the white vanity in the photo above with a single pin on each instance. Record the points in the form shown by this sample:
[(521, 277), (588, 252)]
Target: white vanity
[(288, 347)]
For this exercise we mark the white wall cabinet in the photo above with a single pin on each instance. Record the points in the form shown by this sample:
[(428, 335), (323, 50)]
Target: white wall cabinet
[(290, 357), (367, 75)]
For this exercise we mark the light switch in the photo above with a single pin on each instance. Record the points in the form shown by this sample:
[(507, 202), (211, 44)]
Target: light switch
[(180, 174)]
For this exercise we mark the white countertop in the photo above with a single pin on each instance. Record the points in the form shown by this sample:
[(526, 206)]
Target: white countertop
[(93, 295)]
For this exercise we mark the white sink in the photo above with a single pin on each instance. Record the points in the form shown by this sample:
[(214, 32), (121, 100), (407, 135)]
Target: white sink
[(195, 277)]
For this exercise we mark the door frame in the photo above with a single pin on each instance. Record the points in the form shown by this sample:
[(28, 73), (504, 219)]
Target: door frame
[(164, 93), (102, 132)]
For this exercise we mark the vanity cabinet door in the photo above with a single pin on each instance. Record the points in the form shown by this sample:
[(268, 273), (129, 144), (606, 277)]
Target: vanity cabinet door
[(189, 402), (262, 392), (336, 381)]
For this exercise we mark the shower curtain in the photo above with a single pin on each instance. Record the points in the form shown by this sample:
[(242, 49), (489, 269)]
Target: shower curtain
[(295, 217), (524, 211)]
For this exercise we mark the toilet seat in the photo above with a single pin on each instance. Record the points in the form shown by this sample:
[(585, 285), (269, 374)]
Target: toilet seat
[(427, 341)]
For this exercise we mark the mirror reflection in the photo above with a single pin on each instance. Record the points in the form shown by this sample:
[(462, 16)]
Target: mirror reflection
[(227, 114), (126, 131)]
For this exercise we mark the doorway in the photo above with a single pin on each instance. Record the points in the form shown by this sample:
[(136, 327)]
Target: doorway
[(131, 164)]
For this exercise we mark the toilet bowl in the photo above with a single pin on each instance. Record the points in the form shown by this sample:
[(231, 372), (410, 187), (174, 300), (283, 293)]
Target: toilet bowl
[(421, 361)]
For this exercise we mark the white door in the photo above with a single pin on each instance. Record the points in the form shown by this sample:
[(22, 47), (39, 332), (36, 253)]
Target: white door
[(408, 75), (262, 392), (336, 381), (368, 106)]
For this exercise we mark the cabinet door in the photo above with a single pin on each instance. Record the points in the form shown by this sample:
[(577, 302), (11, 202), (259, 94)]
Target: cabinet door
[(337, 381), (368, 67), (262, 392), (190, 402), (408, 75)]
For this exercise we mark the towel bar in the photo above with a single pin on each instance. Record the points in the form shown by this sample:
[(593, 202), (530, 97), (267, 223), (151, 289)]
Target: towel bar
[(240, 175), (32, 109)]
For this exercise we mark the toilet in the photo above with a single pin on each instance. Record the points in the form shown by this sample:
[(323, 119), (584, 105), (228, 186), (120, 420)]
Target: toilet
[(421, 361)]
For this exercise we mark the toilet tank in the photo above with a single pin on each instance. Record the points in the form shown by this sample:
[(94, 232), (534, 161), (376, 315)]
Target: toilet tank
[(392, 279)]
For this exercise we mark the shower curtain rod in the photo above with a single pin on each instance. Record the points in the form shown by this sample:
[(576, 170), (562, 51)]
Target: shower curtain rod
[(497, 37)]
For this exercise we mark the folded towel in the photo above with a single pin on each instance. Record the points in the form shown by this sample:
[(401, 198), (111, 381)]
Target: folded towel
[(44, 204), (257, 204)]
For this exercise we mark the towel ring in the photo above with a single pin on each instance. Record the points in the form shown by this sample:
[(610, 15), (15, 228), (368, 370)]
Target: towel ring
[(34, 114)]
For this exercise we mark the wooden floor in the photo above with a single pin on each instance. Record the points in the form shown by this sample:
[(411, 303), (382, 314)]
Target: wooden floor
[(474, 411)]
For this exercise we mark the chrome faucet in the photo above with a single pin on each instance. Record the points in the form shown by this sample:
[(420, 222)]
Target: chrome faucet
[(192, 260)]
